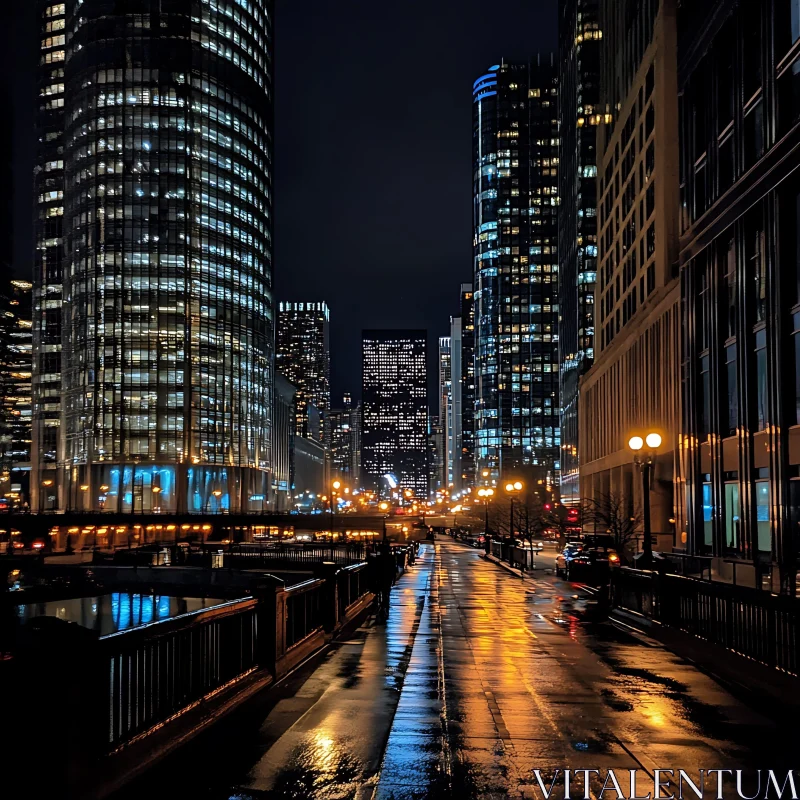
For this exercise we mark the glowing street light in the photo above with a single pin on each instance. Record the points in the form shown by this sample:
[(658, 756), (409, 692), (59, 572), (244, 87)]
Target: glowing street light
[(512, 489), (644, 459)]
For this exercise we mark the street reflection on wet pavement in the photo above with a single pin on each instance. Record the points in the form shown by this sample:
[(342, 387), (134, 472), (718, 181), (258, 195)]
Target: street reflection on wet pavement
[(478, 679)]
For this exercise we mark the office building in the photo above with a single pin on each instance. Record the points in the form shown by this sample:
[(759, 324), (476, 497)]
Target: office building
[(515, 213), (443, 423), (455, 408), (15, 394), (345, 426), (580, 115), (634, 385), (467, 386), (156, 152), (740, 282), (303, 356), (48, 257), (395, 410), (283, 426)]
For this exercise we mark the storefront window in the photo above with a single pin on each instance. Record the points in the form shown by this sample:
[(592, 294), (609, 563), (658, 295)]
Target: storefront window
[(764, 534), (707, 513), (732, 516)]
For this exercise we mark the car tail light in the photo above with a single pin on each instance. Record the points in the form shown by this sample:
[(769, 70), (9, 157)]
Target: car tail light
[(613, 557)]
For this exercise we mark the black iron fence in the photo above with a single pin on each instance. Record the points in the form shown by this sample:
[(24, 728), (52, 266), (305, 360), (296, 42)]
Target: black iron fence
[(250, 556), (304, 615), (751, 622), (158, 670), (353, 583)]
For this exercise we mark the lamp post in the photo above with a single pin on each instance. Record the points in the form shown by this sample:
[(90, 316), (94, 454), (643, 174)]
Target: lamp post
[(334, 487), (486, 494), (512, 489), (643, 457)]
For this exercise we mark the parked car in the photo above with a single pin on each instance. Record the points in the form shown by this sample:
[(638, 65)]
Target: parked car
[(475, 539), (570, 551), (593, 564)]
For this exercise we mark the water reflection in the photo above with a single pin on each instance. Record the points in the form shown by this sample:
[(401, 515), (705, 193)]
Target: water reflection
[(118, 611)]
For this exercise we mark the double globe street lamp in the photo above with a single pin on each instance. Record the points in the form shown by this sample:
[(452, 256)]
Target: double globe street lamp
[(486, 494), (513, 489), (644, 451)]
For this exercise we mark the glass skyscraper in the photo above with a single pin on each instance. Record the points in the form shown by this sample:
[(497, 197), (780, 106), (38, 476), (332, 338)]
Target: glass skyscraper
[(515, 174), (163, 177), (580, 114), (304, 358), (395, 409)]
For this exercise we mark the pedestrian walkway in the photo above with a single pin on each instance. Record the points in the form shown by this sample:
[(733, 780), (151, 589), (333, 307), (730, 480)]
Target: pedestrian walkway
[(477, 680)]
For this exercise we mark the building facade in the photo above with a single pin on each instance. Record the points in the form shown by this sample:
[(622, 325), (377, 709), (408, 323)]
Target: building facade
[(740, 276), (16, 342), (283, 427), (303, 356), (443, 426), (455, 448), (581, 115), (395, 409), (345, 424), (162, 170), (634, 385), (47, 454), (467, 385), (515, 213)]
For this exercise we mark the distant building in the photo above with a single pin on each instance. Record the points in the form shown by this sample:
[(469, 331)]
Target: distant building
[(345, 456), (634, 384), (309, 469), (740, 287), (395, 409), (455, 472), (15, 393), (581, 115), (467, 385), (515, 242), (283, 435), (443, 425), (303, 357)]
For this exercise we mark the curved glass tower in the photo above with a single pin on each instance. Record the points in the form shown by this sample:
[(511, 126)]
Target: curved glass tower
[(168, 319), (515, 189)]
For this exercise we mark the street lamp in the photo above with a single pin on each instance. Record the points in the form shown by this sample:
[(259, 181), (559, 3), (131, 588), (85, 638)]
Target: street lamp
[(486, 494), (643, 452), (335, 486), (512, 489), (47, 484)]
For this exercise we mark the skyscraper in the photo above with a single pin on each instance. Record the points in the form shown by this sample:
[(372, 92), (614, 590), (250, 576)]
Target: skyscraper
[(303, 356), (49, 251), (15, 393), (345, 426), (454, 434), (395, 409), (515, 193), (467, 385), (443, 427), (159, 157), (580, 114)]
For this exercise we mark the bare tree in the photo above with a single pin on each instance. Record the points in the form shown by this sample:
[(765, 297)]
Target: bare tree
[(611, 513)]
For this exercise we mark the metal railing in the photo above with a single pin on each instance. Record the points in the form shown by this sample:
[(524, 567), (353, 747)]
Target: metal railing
[(304, 610), (352, 585), (751, 622), (250, 555), (160, 669)]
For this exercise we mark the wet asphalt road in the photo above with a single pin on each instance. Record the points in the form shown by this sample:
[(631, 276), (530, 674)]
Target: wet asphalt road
[(478, 678)]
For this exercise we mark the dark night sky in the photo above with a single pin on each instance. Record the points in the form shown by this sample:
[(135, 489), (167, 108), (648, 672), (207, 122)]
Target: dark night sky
[(373, 153)]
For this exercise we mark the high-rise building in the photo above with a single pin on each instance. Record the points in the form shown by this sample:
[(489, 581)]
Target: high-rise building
[(634, 384), (740, 273), (345, 426), (467, 385), (515, 149), (580, 115), (156, 147), (443, 426), (395, 409), (283, 422), (455, 408), (15, 393), (303, 356), (48, 257)]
